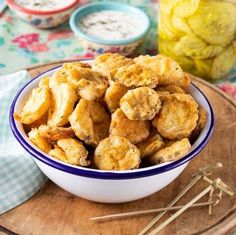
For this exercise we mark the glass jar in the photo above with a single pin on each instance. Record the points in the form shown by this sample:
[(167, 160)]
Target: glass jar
[(200, 35)]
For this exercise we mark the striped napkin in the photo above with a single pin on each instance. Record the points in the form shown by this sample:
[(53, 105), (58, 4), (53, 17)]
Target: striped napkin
[(20, 178)]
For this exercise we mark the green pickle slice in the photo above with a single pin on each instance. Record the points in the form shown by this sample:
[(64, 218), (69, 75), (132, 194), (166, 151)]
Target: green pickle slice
[(214, 21), (195, 47), (185, 8), (203, 68), (167, 5), (223, 63)]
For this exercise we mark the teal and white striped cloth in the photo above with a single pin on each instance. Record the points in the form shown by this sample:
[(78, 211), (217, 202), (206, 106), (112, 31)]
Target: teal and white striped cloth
[(20, 177)]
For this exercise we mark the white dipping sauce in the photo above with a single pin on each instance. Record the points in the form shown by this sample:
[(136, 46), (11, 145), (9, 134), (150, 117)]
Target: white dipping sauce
[(44, 5), (110, 25)]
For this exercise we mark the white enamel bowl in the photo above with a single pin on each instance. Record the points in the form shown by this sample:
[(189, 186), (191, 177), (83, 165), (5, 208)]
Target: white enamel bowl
[(108, 186)]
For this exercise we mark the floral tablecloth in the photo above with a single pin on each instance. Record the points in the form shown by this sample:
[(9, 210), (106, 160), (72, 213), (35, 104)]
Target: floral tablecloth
[(21, 45)]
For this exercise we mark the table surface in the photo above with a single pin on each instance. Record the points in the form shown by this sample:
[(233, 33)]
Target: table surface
[(34, 46)]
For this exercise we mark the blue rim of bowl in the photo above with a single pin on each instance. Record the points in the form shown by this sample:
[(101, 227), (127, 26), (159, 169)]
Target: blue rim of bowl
[(94, 173), (79, 33)]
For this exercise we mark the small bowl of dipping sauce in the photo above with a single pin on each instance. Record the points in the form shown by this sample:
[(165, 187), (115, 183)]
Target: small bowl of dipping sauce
[(43, 13), (110, 27)]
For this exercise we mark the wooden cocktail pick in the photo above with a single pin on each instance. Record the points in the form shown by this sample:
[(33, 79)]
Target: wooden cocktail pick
[(217, 184), (199, 175), (146, 212)]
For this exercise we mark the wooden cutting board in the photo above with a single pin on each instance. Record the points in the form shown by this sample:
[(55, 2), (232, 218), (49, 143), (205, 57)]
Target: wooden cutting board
[(55, 211)]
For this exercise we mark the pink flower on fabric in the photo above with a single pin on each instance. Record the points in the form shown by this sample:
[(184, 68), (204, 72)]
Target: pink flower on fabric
[(9, 19), (40, 47), (230, 89), (25, 40), (62, 34)]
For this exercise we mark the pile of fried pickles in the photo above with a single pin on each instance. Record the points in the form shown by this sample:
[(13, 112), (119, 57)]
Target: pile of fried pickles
[(114, 114)]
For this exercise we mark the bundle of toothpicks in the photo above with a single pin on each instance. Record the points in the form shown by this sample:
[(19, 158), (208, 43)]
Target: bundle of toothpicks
[(216, 187)]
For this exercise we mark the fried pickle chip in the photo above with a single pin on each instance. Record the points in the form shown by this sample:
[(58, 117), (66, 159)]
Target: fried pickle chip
[(77, 65), (39, 141), (178, 116), (75, 152), (136, 75), (44, 82), (150, 145), (201, 122), (58, 153), (92, 85), (116, 153), (172, 152), (171, 89), (113, 95), (55, 133), (142, 103), (107, 64), (168, 71), (62, 104), (36, 106), (37, 123), (90, 122), (134, 131), (58, 77)]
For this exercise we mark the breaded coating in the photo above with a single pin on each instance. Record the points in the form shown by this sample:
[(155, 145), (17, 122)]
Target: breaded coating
[(90, 122), (36, 106), (62, 104), (201, 122), (172, 152), (56, 133), (142, 103), (37, 123), (134, 131), (77, 65), (107, 64), (91, 85), (172, 89), (168, 71), (113, 95), (116, 153), (135, 75), (68, 70), (178, 116), (75, 151), (44, 82), (58, 77), (39, 141), (150, 145), (58, 153)]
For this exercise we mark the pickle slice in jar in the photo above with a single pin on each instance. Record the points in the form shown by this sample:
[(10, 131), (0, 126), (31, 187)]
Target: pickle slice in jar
[(167, 6), (165, 28), (193, 46), (214, 21), (223, 63), (181, 25), (185, 8), (189, 45), (203, 68), (166, 47)]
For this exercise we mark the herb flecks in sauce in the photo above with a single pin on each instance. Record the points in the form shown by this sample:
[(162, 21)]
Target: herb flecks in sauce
[(110, 25)]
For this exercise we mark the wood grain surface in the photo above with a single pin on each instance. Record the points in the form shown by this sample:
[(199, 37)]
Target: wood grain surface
[(55, 211)]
